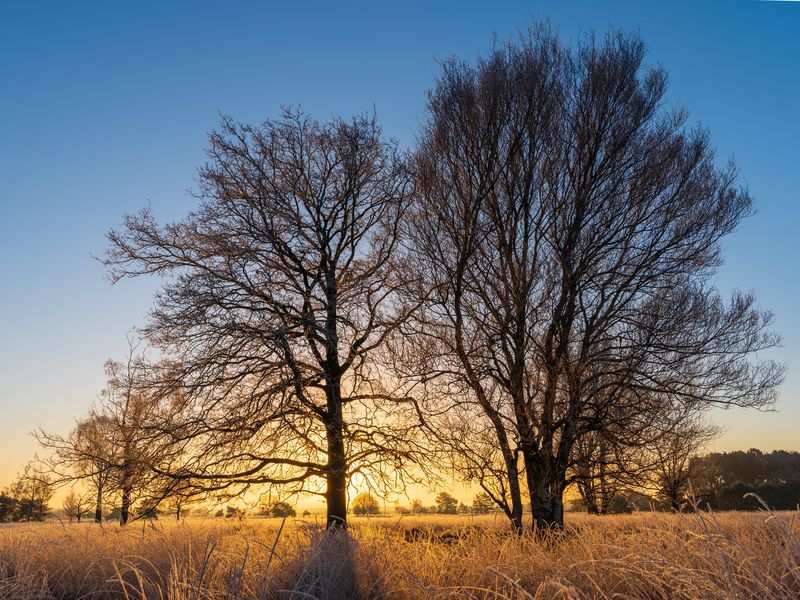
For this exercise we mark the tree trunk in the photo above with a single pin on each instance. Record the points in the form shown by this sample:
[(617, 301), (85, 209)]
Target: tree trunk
[(336, 493), (336, 476), (588, 492), (547, 497), (98, 508), (593, 506), (516, 512), (547, 506), (674, 499), (516, 497), (605, 497), (125, 506)]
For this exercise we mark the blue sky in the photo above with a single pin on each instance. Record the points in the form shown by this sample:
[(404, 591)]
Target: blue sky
[(105, 107)]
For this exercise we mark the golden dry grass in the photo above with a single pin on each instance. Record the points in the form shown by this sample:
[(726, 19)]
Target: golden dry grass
[(708, 556)]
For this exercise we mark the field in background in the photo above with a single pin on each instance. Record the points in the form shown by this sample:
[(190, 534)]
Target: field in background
[(647, 555)]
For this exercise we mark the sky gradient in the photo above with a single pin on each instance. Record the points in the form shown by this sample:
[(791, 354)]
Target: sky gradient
[(105, 107)]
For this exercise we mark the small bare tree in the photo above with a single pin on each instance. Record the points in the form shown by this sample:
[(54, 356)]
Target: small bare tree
[(673, 460), (280, 295), (118, 447), (596, 472), (130, 413), (76, 505), (86, 454)]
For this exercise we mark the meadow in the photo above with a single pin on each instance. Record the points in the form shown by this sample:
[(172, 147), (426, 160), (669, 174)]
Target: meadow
[(645, 555)]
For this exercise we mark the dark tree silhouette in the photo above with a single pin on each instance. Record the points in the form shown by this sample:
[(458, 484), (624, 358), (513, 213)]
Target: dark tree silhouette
[(280, 509), (446, 504), (568, 227), (30, 493), (119, 444), (482, 504), (732, 480), (674, 466), (279, 298)]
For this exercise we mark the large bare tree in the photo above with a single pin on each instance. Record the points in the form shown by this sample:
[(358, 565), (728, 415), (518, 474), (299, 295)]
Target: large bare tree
[(568, 226), (279, 297)]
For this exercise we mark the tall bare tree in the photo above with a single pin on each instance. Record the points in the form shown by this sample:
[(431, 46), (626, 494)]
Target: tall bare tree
[(475, 230), (279, 295), (568, 226)]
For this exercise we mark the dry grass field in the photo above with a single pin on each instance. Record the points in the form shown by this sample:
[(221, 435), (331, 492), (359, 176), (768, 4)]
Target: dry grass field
[(698, 556)]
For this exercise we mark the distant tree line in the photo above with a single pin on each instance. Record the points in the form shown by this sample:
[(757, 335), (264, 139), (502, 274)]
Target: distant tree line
[(27, 498), (447, 504), (525, 298), (738, 480)]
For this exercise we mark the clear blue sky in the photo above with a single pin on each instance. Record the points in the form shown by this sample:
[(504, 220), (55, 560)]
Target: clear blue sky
[(105, 106)]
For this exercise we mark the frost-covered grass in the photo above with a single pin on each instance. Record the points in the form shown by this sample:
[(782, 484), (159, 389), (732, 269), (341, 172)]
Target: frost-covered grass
[(649, 555)]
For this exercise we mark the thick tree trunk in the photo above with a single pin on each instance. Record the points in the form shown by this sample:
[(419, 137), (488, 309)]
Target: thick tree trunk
[(587, 489), (336, 476), (605, 496), (336, 479), (675, 500), (589, 495), (546, 488), (547, 506)]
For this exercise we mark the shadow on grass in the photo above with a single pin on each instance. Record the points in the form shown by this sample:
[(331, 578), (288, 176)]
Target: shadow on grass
[(328, 571)]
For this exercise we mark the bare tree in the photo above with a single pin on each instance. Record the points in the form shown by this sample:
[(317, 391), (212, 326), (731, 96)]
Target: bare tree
[(112, 448), (474, 228), (76, 505), (86, 454), (674, 459), (279, 296), (117, 447), (614, 458), (469, 447), (129, 413), (594, 472), (171, 493), (568, 226)]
